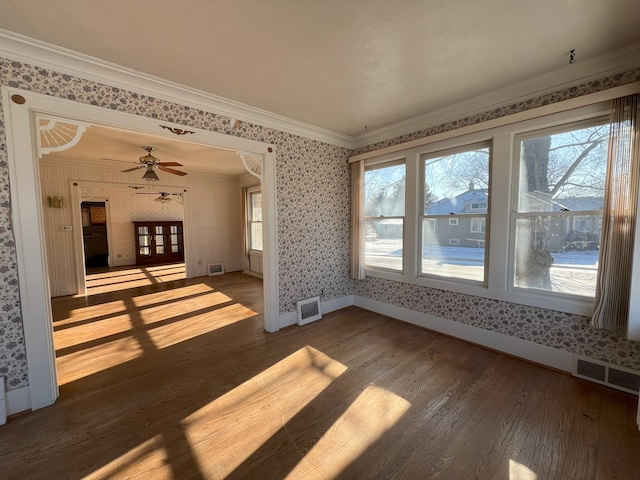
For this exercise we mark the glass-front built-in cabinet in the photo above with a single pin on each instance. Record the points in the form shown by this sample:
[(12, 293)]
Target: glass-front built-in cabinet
[(158, 242)]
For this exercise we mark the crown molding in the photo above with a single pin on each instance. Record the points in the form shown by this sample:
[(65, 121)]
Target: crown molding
[(25, 49), (28, 50), (578, 73)]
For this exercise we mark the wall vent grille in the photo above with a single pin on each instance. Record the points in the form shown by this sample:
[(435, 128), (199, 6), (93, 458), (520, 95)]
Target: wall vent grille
[(613, 376), (216, 269), (309, 310)]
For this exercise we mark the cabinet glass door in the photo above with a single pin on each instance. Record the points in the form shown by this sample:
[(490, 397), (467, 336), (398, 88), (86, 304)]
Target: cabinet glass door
[(159, 239), (144, 241)]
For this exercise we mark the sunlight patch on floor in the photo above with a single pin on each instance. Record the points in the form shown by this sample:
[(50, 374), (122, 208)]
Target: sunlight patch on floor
[(147, 460), (262, 405), (92, 311), (90, 332), (91, 360), (173, 294), (184, 307), (195, 325), (374, 412), (518, 471)]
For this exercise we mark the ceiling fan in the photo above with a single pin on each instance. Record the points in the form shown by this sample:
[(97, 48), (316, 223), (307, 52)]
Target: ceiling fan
[(150, 162)]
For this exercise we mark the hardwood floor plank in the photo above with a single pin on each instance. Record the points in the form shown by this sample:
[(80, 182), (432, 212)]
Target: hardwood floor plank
[(179, 380)]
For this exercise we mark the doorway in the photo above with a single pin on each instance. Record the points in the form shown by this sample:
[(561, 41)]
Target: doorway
[(94, 236), (28, 218)]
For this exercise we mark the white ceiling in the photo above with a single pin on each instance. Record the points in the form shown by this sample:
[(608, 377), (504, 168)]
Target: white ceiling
[(120, 150), (335, 64)]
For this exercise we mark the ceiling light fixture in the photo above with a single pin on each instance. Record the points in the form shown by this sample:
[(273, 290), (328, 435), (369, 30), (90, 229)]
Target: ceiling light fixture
[(163, 198), (150, 175)]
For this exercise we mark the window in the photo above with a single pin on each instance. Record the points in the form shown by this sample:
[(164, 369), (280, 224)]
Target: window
[(384, 203), (558, 218), (454, 184), (479, 206), (478, 225), (512, 213), (254, 218)]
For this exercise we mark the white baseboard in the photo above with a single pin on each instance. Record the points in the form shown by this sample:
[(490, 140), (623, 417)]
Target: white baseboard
[(290, 318), (533, 352), (252, 273), (18, 400), (3, 403)]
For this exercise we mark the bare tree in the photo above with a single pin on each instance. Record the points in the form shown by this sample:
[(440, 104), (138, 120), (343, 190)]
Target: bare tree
[(567, 169)]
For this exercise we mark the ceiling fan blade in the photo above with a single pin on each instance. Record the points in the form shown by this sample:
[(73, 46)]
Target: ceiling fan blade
[(171, 170), (118, 160), (134, 168), (169, 164)]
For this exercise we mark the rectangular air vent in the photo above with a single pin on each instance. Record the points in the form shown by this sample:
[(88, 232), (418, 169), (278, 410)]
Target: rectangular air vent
[(216, 269), (592, 370), (308, 310), (620, 378)]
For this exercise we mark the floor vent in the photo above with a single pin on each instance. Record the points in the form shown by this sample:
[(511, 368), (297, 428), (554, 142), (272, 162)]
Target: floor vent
[(613, 376), (216, 269), (309, 310)]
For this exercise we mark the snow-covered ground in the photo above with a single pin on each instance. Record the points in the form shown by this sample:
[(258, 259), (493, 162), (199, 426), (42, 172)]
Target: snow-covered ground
[(572, 272)]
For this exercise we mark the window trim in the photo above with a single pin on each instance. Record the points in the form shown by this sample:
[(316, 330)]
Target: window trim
[(499, 221), (378, 165), (461, 148), (482, 224), (252, 191)]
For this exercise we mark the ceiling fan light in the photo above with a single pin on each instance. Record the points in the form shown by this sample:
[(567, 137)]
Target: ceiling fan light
[(150, 175)]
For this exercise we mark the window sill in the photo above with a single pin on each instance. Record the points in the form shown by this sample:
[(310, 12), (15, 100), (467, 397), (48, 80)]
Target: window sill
[(548, 300)]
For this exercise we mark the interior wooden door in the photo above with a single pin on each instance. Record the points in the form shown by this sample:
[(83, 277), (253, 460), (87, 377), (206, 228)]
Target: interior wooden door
[(159, 242)]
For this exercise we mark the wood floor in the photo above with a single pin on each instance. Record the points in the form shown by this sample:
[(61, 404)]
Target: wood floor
[(177, 379)]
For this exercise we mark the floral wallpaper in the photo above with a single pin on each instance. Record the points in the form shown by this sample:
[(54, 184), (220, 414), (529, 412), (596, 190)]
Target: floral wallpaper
[(313, 226), (312, 194), (563, 331)]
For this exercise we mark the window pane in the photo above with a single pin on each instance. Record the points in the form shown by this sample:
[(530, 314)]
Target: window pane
[(256, 236), (452, 250), (564, 171), (561, 172), (455, 185), (256, 207), (384, 191), (558, 253), (383, 243)]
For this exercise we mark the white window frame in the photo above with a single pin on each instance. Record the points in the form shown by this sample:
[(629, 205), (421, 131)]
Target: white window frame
[(482, 222), (476, 206), (379, 164), (252, 191), (515, 199), (499, 219), (422, 217), (453, 221)]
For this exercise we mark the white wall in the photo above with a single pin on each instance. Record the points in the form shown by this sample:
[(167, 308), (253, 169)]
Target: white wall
[(212, 216)]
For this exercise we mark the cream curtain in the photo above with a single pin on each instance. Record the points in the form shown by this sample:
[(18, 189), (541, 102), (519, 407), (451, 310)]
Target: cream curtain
[(357, 221), (613, 286), (246, 262)]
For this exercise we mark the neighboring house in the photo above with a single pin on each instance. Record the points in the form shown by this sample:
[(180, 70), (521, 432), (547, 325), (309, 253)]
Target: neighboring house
[(465, 222), (461, 220)]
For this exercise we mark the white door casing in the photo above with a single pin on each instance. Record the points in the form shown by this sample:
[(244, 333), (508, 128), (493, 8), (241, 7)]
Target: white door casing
[(27, 217)]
